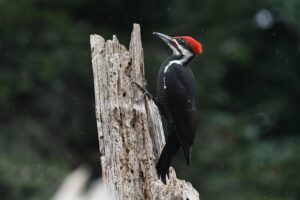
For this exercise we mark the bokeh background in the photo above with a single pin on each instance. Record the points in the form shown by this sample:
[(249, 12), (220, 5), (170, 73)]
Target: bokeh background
[(248, 84)]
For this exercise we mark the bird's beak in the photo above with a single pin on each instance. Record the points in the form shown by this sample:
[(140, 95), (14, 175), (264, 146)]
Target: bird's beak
[(167, 39)]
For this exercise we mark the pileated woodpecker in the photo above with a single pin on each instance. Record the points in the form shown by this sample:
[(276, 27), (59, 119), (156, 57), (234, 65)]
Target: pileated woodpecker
[(175, 98)]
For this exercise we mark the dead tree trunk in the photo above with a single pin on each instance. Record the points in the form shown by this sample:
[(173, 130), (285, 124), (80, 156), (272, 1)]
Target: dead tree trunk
[(130, 134)]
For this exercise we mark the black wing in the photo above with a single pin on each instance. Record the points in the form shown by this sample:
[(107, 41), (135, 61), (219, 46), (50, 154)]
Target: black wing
[(180, 101)]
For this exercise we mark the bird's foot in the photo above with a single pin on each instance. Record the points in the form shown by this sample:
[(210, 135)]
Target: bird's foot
[(165, 178), (163, 173), (145, 93)]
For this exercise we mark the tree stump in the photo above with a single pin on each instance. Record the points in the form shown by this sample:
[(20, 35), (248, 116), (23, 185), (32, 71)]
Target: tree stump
[(130, 133)]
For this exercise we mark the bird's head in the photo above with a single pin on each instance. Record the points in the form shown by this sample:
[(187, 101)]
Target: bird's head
[(181, 45)]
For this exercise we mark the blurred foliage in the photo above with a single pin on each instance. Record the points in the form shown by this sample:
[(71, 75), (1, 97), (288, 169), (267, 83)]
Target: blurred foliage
[(248, 91)]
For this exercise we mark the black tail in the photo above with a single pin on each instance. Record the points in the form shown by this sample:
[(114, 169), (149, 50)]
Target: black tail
[(187, 153), (166, 156)]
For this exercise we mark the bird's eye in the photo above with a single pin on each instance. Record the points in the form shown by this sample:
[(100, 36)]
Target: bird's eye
[(181, 41)]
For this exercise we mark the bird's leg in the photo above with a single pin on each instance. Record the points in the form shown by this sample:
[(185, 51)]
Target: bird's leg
[(145, 93), (149, 95)]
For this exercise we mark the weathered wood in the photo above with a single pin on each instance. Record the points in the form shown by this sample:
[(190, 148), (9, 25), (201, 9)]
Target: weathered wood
[(130, 134)]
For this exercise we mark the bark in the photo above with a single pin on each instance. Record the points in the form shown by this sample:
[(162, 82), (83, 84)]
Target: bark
[(130, 133)]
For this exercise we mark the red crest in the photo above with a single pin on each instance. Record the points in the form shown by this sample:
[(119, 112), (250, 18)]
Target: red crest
[(194, 44)]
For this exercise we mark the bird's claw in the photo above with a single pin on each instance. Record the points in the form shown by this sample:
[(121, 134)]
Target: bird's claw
[(139, 100), (165, 178), (145, 92)]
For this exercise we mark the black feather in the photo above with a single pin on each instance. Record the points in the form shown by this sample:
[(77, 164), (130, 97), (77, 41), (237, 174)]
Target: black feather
[(176, 101), (164, 162)]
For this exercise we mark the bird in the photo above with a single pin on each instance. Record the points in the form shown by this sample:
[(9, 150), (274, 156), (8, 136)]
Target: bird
[(175, 99)]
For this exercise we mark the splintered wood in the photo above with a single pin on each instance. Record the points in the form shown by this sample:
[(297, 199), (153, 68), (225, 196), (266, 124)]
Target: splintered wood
[(130, 133)]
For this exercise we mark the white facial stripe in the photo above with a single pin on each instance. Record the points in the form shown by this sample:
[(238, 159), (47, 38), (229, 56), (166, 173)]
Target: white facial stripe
[(186, 53), (175, 51)]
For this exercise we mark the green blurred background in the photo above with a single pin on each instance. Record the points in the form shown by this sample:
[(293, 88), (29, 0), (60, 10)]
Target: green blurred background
[(248, 141)]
